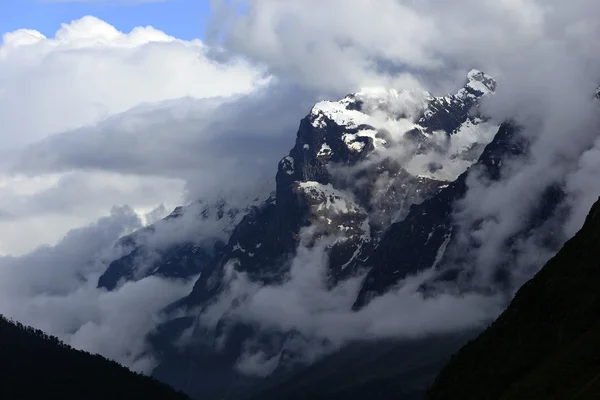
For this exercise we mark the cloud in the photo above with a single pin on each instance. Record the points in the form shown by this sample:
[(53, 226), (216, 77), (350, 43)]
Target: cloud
[(94, 117), (583, 187), (348, 45), (554, 105), (54, 289), (89, 70), (172, 153), (43, 208), (320, 319), (178, 138), (335, 48)]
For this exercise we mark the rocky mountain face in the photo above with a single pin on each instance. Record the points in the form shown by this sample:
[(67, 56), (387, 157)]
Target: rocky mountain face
[(180, 245), (360, 166), (430, 236), (546, 344)]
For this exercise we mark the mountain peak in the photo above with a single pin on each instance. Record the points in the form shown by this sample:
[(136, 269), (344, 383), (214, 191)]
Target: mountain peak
[(371, 106), (480, 82)]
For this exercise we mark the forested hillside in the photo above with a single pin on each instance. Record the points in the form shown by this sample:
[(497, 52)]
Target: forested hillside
[(34, 365)]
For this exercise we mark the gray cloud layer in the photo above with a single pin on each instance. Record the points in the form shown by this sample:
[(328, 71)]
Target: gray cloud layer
[(244, 137), (322, 319), (54, 289)]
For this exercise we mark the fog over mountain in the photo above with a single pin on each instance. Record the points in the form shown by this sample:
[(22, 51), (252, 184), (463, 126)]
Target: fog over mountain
[(92, 161)]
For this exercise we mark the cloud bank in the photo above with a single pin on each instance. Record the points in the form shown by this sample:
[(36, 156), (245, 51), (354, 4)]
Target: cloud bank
[(95, 117), (89, 70), (321, 319), (344, 46), (54, 289)]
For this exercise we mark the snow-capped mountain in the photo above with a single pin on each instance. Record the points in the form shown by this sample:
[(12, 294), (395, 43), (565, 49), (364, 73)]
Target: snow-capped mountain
[(359, 166)]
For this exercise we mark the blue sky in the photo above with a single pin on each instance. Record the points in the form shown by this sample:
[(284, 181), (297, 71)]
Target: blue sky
[(185, 19)]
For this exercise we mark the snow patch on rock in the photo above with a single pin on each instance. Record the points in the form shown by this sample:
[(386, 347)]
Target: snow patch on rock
[(328, 198), (324, 151)]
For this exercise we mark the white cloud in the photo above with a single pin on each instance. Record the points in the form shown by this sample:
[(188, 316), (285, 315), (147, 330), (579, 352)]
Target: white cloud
[(68, 98), (44, 208), (304, 305), (583, 187), (54, 289), (89, 71), (345, 45)]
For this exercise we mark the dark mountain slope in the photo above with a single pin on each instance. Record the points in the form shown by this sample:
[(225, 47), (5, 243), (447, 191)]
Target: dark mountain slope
[(371, 370), (183, 243), (34, 365), (547, 343)]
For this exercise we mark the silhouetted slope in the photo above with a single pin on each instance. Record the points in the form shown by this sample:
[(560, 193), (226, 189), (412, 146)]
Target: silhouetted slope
[(377, 370), (34, 365), (546, 345)]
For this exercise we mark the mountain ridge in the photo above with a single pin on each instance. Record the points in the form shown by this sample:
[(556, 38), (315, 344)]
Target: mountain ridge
[(183, 242)]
